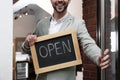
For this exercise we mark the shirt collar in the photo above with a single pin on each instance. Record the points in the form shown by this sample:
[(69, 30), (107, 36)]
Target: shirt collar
[(61, 19)]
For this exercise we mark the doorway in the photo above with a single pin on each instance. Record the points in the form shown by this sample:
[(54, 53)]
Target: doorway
[(108, 36)]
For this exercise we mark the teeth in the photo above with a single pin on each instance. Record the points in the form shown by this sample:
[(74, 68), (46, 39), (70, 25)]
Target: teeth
[(60, 4)]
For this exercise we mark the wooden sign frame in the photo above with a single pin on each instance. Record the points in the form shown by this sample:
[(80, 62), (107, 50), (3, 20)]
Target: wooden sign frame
[(78, 61)]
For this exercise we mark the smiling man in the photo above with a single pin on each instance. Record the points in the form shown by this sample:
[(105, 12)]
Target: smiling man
[(62, 20)]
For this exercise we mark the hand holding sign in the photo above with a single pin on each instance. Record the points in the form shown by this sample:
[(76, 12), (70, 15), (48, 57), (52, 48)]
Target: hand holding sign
[(30, 39), (56, 51)]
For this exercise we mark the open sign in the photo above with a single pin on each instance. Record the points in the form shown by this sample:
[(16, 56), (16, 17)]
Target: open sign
[(56, 51)]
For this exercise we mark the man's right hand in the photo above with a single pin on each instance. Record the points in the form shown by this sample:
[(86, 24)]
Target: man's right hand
[(30, 39)]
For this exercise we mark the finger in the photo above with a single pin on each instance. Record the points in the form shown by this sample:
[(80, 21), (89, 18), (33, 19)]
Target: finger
[(105, 63), (106, 52), (106, 55), (33, 39), (104, 58), (31, 43), (106, 66)]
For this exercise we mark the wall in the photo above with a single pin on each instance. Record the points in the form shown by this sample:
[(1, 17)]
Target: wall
[(6, 35), (27, 22), (90, 16), (24, 25), (75, 8)]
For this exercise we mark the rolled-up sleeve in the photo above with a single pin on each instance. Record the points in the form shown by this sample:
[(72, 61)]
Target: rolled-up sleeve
[(25, 48)]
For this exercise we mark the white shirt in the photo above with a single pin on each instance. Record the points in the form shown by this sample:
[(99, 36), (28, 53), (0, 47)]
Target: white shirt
[(55, 25)]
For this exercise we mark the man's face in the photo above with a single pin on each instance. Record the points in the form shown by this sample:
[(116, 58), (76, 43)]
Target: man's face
[(60, 5)]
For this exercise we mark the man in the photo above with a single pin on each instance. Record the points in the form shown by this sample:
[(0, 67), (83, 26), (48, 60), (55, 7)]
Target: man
[(62, 20)]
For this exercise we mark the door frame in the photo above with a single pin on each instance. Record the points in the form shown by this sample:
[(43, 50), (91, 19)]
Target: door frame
[(102, 5)]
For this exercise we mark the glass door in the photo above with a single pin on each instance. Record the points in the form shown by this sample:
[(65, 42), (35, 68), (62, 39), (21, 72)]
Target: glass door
[(108, 36)]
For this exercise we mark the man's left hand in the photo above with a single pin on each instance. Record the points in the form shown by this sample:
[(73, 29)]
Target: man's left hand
[(104, 60)]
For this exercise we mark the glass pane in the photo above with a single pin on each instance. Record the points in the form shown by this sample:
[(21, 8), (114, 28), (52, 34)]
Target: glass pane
[(111, 37), (108, 35)]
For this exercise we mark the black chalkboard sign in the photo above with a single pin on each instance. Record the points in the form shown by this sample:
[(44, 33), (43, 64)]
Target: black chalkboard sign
[(56, 51)]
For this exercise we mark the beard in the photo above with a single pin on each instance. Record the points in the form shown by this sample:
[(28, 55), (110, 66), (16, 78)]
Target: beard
[(60, 7)]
